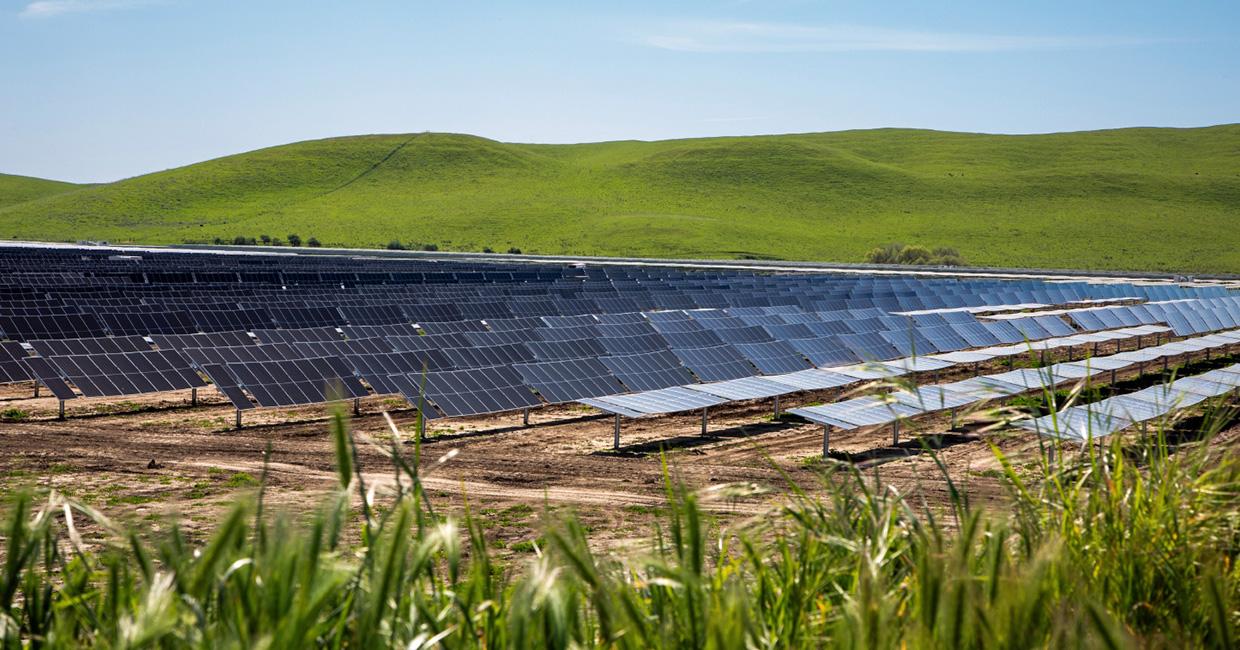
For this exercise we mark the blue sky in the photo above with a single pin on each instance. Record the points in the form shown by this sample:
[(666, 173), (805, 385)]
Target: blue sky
[(96, 90)]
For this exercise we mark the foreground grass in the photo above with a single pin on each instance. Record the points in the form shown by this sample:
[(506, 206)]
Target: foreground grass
[(1143, 199), (1115, 547)]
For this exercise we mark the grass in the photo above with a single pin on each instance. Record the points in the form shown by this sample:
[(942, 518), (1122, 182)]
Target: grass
[(1142, 199), (20, 189), (1117, 546)]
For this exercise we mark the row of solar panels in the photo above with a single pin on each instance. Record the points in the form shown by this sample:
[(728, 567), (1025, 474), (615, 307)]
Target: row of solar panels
[(880, 410)]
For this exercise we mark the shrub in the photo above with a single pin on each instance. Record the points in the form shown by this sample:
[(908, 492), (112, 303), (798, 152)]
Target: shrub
[(430, 247), (266, 239), (294, 240), (14, 415), (239, 240), (514, 251), (914, 255), (313, 243), (395, 245), (487, 249)]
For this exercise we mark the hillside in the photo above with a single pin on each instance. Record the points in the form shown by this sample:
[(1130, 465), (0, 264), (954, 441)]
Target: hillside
[(20, 189), (1148, 199)]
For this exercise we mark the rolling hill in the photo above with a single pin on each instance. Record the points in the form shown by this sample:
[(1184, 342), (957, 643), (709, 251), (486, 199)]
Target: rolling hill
[(20, 189), (1140, 199)]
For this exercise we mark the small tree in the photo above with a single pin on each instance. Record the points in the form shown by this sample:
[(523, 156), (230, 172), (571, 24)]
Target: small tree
[(487, 249), (239, 240), (294, 240), (430, 247), (217, 241), (395, 245), (513, 250), (313, 243), (266, 239)]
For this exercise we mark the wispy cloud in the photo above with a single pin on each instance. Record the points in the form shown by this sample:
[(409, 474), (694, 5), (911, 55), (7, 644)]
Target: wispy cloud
[(52, 8), (746, 37)]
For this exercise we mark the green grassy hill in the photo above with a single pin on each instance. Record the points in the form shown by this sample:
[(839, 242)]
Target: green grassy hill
[(1149, 199), (20, 189)]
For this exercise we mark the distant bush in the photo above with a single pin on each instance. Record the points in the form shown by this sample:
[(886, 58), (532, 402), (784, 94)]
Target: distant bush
[(241, 240), (217, 241), (313, 243), (487, 249), (266, 239), (430, 247), (395, 245), (914, 256), (514, 251), (294, 240)]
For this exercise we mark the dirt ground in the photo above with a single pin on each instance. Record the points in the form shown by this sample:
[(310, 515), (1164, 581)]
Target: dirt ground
[(157, 459)]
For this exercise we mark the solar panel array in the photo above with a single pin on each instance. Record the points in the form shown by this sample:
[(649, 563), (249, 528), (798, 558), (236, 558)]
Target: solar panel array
[(299, 329)]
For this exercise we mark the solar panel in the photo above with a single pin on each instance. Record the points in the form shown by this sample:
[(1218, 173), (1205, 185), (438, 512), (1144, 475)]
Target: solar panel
[(210, 340), (751, 334), (775, 357), (491, 355), (745, 388), (452, 327), (478, 391), (240, 353), (649, 371), (296, 382), (699, 339), (856, 413), (616, 330), (869, 346), (654, 402), (569, 380), (127, 373), (227, 385), (629, 345), (61, 347), (49, 376), (824, 351), (11, 368), (578, 349), (719, 363), (566, 333), (503, 337), (298, 335)]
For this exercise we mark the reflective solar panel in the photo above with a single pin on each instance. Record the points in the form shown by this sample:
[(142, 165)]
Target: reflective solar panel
[(654, 402), (628, 345), (775, 357), (553, 350), (491, 355)]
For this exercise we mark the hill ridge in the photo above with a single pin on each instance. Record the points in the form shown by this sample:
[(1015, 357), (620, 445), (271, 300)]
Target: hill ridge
[(1141, 198)]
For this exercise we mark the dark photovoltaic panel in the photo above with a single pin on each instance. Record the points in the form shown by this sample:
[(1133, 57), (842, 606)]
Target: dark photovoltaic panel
[(719, 363), (491, 355), (302, 335), (553, 350), (634, 316), (373, 314), (676, 326), (773, 358), (616, 330), (1004, 331), (390, 363), (566, 333), (1056, 327), (300, 381), (240, 353), (306, 317), (226, 384), (49, 376), (869, 346), (626, 345), (945, 338), (175, 322), (824, 351), (127, 373), (431, 341), (503, 337), (909, 342), (211, 340), (427, 313), (371, 331), (569, 321), (569, 380), (25, 328), (342, 348), (648, 371), (508, 324), (11, 368), (210, 320), (698, 339), (1029, 328), (750, 334), (478, 391), (452, 327), (61, 347)]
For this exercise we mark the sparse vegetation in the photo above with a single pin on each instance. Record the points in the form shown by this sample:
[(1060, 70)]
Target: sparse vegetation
[(1118, 546)]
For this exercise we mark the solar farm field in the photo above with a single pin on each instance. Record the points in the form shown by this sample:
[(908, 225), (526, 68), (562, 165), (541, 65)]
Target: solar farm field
[(681, 437), (1126, 199)]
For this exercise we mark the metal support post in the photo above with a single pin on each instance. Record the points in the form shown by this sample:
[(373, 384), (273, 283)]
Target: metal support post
[(525, 416), (357, 406), (615, 442), (895, 433), (238, 418), (193, 397), (704, 421), (826, 439), (777, 407), (36, 389), (61, 415)]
